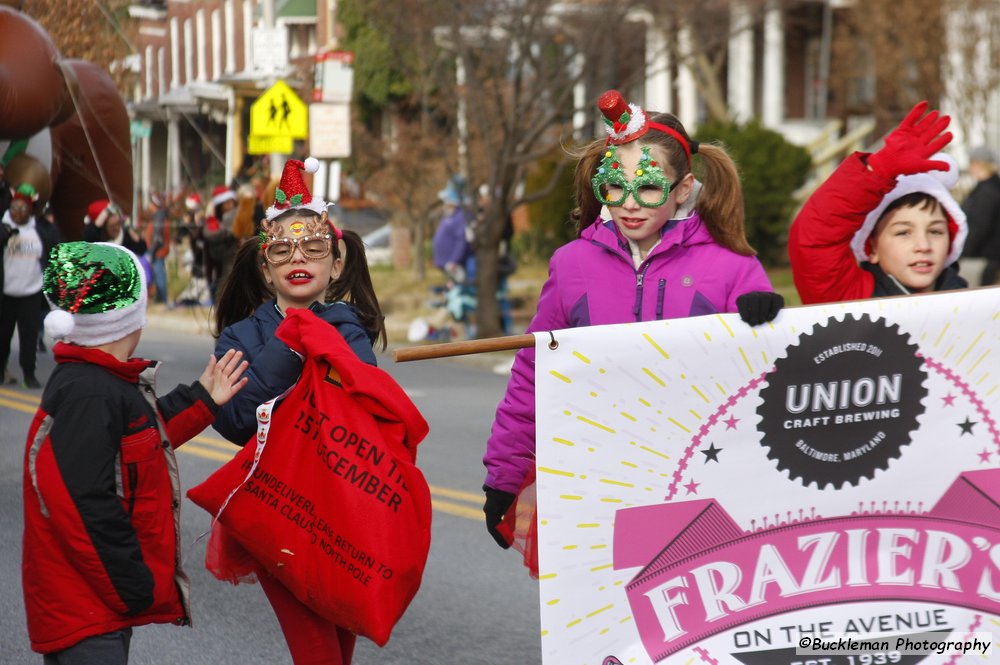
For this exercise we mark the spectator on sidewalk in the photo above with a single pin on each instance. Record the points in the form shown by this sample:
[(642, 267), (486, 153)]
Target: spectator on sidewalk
[(26, 243), (982, 211), (106, 223), (450, 247), (220, 243), (158, 244), (193, 227)]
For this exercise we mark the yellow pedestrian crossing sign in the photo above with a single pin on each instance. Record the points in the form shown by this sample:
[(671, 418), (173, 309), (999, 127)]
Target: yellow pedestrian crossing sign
[(279, 113)]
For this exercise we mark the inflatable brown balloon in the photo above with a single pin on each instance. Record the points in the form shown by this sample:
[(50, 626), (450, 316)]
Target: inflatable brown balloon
[(78, 104)]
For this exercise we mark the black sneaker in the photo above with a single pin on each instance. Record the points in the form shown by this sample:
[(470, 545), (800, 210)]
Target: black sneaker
[(31, 382)]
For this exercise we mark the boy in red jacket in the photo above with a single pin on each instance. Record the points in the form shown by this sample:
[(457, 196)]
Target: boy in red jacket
[(101, 493), (885, 223)]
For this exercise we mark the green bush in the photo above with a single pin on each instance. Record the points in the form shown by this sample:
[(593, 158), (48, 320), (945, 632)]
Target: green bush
[(771, 169), (550, 226)]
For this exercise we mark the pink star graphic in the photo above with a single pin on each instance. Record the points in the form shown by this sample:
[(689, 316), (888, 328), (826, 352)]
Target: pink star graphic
[(949, 400), (984, 456), (692, 487), (731, 422)]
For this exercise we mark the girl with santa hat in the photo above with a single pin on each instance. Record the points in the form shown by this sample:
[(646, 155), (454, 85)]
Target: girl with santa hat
[(299, 260)]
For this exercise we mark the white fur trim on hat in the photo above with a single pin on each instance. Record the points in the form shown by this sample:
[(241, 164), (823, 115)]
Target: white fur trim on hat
[(228, 195), (935, 183), (636, 121), (317, 205), (105, 327)]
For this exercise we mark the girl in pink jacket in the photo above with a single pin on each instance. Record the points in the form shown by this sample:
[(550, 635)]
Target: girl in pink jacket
[(671, 247)]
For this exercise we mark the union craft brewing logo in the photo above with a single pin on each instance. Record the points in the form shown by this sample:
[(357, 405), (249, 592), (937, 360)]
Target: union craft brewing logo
[(842, 402)]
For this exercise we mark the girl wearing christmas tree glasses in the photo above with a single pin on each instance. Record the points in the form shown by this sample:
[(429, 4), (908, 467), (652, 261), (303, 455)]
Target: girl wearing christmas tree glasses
[(654, 243), (300, 260)]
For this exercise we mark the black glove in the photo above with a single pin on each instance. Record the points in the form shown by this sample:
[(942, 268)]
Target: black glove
[(497, 503), (759, 307)]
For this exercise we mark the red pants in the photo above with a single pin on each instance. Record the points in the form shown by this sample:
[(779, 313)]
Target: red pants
[(311, 639)]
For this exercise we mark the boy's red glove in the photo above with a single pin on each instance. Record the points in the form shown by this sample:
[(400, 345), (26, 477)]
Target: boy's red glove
[(908, 147)]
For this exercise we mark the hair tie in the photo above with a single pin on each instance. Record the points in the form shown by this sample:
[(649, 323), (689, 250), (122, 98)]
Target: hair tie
[(694, 146)]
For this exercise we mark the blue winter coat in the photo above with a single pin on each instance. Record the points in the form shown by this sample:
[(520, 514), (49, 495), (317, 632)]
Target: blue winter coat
[(273, 366)]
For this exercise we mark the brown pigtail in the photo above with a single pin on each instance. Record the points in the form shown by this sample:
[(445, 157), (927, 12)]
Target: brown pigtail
[(720, 202), (244, 289), (355, 286), (588, 207)]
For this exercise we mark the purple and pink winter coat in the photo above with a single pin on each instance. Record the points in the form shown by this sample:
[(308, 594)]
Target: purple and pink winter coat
[(593, 281)]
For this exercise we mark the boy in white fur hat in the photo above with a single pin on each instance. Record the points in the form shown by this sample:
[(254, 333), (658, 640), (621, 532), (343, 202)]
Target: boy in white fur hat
[(101, 493), (885, 223)]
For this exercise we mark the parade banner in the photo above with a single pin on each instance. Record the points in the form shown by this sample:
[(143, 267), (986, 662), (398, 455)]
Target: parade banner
[(710, 492)]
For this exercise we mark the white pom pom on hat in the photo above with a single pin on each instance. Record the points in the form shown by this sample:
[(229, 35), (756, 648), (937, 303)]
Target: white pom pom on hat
[(311, 164), (934, 183), (59, 323)]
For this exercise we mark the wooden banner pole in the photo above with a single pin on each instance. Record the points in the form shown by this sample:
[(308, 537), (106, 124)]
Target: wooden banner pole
[(469, 347)]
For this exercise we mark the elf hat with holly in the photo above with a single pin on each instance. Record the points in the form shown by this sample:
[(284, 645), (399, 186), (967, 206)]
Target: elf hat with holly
[(97, 291), (25, 192), (292, 192), (933, 183)]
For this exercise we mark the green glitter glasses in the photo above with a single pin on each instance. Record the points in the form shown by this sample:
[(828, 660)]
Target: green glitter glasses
[(650, 189)]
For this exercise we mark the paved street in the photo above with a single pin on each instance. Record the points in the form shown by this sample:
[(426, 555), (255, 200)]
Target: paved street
[(477, 605)]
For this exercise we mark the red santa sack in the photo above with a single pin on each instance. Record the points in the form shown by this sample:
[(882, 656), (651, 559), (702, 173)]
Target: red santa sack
[(328, 497)]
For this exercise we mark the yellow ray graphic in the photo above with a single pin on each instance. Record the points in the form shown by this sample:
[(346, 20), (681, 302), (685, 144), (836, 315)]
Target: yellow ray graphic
[(654, 452), (978, 360), (654, 377), (656, 346), (556, 472), (944, 331), (560, 376), (725, 325), (746, 360), (700, 394), (619, 483), (598, 611), (596, 424), (685, 429), (581, 357)]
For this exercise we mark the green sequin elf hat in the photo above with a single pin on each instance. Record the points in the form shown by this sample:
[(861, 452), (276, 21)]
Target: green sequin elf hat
[(97, 291), (292, 192)]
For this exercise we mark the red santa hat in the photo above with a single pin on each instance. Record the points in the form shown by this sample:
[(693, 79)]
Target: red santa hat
[(623, 122), (94, 210), (192, 202), (292, 192), (933, 183), (221, 194)]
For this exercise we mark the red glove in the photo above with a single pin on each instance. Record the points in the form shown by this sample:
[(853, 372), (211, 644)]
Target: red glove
[(908, 147)]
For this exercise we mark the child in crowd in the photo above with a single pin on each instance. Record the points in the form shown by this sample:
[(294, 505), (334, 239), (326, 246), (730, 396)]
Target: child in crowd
[(101, 492), (885, 223), (666, 246), (297, 261)]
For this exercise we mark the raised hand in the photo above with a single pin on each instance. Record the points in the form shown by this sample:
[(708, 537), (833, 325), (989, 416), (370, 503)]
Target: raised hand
[(221, 377), (908, 147)]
